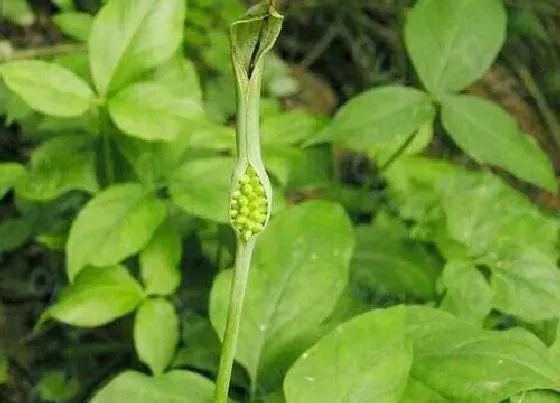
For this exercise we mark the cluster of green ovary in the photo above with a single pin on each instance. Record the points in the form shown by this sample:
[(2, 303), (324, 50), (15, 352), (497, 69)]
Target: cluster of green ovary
[(248, 208)]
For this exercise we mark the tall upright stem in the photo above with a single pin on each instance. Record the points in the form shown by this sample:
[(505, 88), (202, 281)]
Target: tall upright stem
[(238, 287)]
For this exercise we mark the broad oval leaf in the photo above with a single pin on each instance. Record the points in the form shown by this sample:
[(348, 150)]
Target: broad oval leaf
[(290, 128), (453, 42), (387, 261), (156, 333), (129, 37), (59, 165), (14, 232), (159, 261), (97, 296), (377, 117), (174, 386), (295, 280), (366, 359), (467, 294), (114, 225), (152, 111), (47, 87), (10, 173), (461, 363), (74, 24), (487, 216), (201, 187), (526, 283), (488, 134)]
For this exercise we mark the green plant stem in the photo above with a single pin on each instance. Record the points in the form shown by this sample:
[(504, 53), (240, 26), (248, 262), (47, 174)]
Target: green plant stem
[(44, 52), (239, 285)]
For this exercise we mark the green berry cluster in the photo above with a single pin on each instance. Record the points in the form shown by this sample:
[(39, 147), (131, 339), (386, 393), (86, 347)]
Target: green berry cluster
[(248, 207)]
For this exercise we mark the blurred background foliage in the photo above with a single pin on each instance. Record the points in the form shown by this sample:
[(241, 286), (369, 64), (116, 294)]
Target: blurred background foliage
[(328, 52)]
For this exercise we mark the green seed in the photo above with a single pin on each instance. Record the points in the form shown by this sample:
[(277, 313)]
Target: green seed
[(235, 194), (244, 210), (247, 234), (244, 179), (243, 200), (233, 213), (247, 189)]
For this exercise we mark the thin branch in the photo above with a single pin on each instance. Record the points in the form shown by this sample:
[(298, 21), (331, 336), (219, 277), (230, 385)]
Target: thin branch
[(321, 46)]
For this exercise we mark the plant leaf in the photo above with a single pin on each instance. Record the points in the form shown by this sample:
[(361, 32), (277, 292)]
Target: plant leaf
[(159, 261), (467, 295), (290, 128), (201, 187), (59, 165), (536, 396), (489, 135), (114, 225), (97, 296), (151, 111), (526, 283), (47, 87), (453, 43), (281, 307), (18, 12), (465, 364), (13, 233), (156, 345), (378, 116), (10, 173), (129, 37), (74, 24), (180, 75), (366, 359), (386, 260), (174, 386)]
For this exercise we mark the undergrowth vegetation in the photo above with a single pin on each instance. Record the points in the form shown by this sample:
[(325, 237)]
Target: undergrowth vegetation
[(423, 280)]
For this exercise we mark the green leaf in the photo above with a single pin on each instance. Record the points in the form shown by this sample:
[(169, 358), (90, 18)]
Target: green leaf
[(290, 128), (467, 295), (462, 363), (155, 344), (489, 135), (281, 308), (152, 111), (201, 187), (97, 296), (180, 75), (526, 284), (74, 24), (378, 116), (17, 12), (364, 360), (3, 367), (59, 165), (386, 260), (129, 37), (114, 225), (10, 173), (47, 87), (174, 386), (54, 386), (488, 216), (536, 396), (159, 261), (453, 43), (13, 233)]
